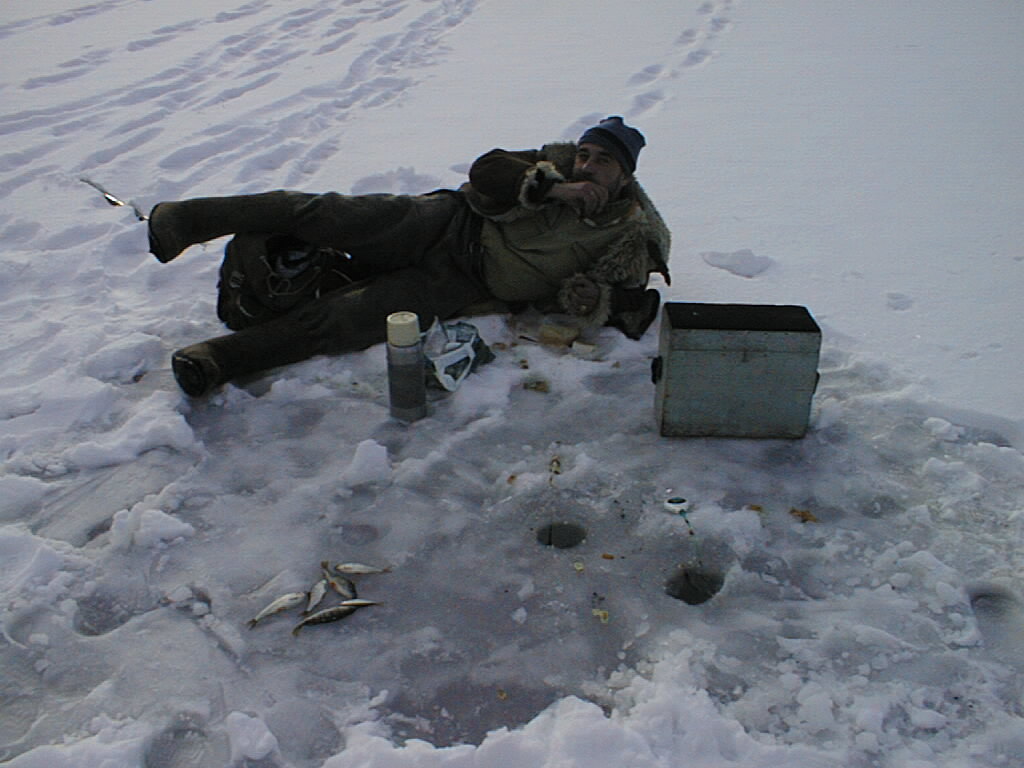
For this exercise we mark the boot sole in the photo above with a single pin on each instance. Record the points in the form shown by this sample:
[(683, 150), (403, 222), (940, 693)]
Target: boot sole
[(190, 375)]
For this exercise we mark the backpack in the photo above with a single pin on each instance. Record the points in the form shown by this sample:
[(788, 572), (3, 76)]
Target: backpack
[(265, 276)]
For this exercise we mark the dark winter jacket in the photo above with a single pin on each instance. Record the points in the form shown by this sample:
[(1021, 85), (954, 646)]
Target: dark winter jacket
[(542, 251)]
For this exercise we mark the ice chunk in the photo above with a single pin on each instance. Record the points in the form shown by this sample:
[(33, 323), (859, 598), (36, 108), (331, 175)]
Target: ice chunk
[(370, 464), (942, 429), (19, 496), (125, 359), (155, 423), (29, 563), (250, 737), (146, 528), (927, 719)]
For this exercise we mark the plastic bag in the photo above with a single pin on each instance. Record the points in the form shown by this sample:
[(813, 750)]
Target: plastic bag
[(453, 350)]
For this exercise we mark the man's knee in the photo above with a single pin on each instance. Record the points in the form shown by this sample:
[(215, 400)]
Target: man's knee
[(346, 222)]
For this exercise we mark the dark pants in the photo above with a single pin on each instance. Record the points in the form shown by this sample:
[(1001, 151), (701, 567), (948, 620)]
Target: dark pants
[(410, 253)]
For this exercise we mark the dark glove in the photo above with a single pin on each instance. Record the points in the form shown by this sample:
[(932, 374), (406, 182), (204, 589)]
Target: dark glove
[(633, 310)]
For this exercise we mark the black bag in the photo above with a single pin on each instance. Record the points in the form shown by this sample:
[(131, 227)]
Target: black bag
[(264, 276)]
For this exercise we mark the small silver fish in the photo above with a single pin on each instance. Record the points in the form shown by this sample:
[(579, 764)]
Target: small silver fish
[(316, 595), (334, 613), (359, 568), (339, 584), (283, 603)]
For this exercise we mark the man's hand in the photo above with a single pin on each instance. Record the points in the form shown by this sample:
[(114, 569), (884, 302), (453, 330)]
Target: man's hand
[(579, 295), (585, 196)]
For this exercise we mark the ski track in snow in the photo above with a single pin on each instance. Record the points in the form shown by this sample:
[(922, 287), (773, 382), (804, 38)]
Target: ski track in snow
[(129, 513)]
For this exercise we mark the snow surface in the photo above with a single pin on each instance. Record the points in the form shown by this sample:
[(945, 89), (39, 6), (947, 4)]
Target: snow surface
[(861, 159)]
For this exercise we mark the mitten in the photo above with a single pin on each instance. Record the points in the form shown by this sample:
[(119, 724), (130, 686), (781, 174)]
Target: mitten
[(579, 295)]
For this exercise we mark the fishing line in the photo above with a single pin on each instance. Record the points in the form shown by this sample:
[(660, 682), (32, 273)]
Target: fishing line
[(677, 505)]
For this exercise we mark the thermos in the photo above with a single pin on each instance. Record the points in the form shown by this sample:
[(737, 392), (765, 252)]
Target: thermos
[(407, 384)]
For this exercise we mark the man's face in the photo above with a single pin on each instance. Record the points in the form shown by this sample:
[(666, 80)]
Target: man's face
[(595, 163)]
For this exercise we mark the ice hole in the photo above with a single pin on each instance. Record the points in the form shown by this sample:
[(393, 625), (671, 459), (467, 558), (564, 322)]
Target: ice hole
[(692, 586), (561, 535), (99, 614)]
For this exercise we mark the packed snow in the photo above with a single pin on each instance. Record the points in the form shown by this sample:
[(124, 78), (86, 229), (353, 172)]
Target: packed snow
[(852, 598)]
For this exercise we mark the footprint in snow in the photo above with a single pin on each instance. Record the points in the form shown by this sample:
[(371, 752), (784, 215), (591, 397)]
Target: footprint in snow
[(400, 181), (719, 24), (575, 129), (687, 38), (696, 58), (645, 102), (744, 263), (898, 301), (647, 75)]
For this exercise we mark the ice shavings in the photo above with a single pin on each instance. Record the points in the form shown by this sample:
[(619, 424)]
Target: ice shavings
[(19, 496), (155, 423), (942, 429), (292, 389), (225, 634), (250, 737), (109, 743), (126, 359), (33, 566), (685, 723), (54, 404), (15, 403), (146, 528), (370, 464), (572, 732), (743, 528)]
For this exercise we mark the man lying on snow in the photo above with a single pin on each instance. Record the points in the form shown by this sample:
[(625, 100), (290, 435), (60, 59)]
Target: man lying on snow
[(565, 228)]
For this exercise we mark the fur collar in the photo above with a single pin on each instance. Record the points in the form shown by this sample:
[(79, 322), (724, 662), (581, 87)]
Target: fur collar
[(639, 253)]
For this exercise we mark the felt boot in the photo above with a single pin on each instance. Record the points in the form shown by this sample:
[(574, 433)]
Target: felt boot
[(196, 369), (633, 310), (174, 226), (200, 368)]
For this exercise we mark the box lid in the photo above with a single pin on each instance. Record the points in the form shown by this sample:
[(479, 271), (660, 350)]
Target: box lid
[(740, 317)]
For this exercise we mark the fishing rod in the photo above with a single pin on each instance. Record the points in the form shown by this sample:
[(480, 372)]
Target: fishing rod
[(114, 200)]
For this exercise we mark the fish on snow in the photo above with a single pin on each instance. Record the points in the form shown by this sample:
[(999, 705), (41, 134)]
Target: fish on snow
[(359, 568), (334, 613), (282, 603)]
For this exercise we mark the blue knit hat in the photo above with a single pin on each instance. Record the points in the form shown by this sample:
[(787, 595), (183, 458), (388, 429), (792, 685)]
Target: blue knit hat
[(618, 138)]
